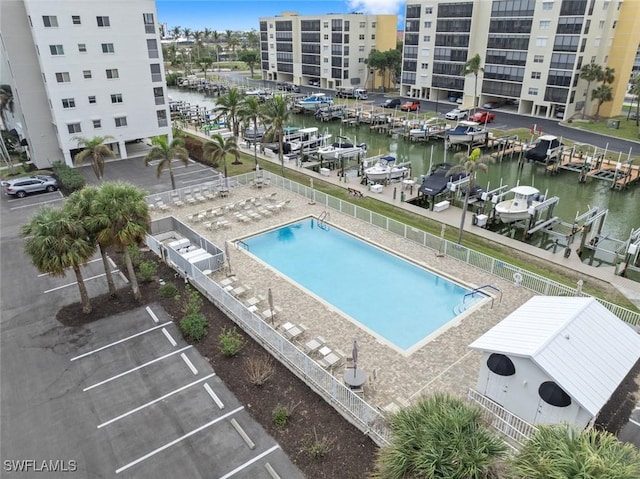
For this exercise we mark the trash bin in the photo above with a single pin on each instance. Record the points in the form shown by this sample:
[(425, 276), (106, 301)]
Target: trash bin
[(614, 124)]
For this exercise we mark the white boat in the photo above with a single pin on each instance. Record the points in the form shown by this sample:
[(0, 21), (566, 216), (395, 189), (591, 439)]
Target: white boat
[(309, 139), (517, 208), (343, 148), (466, 132), (315, 101), (433, 126), (386, 169)]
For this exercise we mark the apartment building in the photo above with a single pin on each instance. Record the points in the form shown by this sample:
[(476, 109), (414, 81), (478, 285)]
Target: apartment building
[(531, 51), (325, 50), (82, 69)]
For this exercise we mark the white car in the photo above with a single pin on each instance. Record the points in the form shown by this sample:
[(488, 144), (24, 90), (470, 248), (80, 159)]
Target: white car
[(457, 114)]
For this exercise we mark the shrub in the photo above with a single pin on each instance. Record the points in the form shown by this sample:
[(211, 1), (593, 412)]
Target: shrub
[(194, 327), (69, 178), (280, 415), (259, 369), (319, 447), (135, 254), (193, 303), (230, 342), (168, 291), (147, 270)]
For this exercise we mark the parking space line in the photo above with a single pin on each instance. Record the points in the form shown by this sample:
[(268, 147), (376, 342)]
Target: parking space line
[(176, 441), (634, 422), (214, 396), (101, 348), (37, 204), (169, 337), (88, 262), (248, 463), (148, 363), (189, 363), (151, 403), (75, 282), (152, 314)]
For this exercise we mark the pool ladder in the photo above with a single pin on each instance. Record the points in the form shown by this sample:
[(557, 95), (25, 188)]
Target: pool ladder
[(242, 244), (479, 290), (322, 220)]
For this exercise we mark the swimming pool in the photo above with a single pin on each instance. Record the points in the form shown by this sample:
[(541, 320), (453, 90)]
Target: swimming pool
[(396, 300)]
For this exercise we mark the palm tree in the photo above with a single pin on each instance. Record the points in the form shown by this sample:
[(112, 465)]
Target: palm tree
[(251, 110), (197, 41), (187, 33), (6, 100), (440, 436), (470, 165), (215, 36), (228, 106), (473, 65), (590, 72), (175, 32), (218, 149), (253, 40), (205, 64), (166, 153), (608, 76), (55, 241), (94, 149), (81, 206), (122, 219), (602, 93), (228, 38), (276, 115), (561, 451), (635, 90)]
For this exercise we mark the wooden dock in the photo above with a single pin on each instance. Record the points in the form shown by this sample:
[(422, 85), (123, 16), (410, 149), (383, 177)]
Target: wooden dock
[(619, 174)]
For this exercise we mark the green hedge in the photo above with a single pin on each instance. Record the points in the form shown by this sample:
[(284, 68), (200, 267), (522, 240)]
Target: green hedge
[(69, 178)]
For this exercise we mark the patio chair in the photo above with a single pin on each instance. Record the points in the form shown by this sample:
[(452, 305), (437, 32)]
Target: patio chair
[(314, 344), (190, 199)]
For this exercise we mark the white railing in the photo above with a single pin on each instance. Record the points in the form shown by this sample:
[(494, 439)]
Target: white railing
[(516, 430)]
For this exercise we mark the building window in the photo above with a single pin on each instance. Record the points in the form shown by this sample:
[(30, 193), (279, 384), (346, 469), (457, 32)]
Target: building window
[(536, 75), (373, 36), (63, 77), (546, 6), (426, 38), (156, 74), (427, 24), (373, 24), (162, 118), (424, 66), (538, 58), (152, 48), (149, 23), (108, 48), (325, 24), (50, 20), (361, 48), (56, 49), (605, 5), (75, 19), (103, 21), (116, 98), (158, 94), (601, 25), (82, 47), (74, 128), (120, 121), (363, 24), (533, 91), (112, 73), (541, 41), (68, 103), (596, 42), (326, 36), (86, 73), (97, 124), (545, 24), (428, 10), (92, 99), (361, 36)]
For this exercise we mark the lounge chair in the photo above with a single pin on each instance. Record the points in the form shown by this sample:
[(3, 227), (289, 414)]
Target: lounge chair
[(313, 345)]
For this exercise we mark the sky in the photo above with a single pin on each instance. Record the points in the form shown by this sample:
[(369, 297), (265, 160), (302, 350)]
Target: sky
[(224, 15)]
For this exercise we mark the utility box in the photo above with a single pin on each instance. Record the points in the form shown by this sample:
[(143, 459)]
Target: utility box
[(614, 124), (481, 220), (443, 205)]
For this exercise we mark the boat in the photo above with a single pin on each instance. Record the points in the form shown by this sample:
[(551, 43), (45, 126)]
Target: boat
[(254, 136), (438, 179), (466, 132), (542, 148), (386, 169), (343, 148), (314, 101), (309, 139), (433, 126), (517, 208)]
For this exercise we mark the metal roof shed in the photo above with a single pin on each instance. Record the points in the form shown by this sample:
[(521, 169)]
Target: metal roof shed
[(574, 342)]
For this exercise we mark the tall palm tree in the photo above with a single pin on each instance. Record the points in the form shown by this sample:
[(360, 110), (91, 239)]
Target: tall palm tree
[(175, 32), (470, 165), (205, 64), (186, 32), (276, 115), (608, 75), (590, 72), (197, 41), (6, 100), (473, 65), (81, 206), (228, 106), (55, 241), (561, 451), (440, 436), (96, 150), (602, 94), (215, 36), (251, 110), (122, 219), (253, 40), (166, 153), (217, 149)]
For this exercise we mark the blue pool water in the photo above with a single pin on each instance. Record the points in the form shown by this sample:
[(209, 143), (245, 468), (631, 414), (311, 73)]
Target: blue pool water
[(395, 299)]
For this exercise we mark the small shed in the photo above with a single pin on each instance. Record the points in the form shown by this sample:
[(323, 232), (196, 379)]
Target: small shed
[(556, 359)]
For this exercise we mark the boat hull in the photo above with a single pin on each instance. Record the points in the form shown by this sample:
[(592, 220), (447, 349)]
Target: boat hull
[(381, 175), (466, 138)]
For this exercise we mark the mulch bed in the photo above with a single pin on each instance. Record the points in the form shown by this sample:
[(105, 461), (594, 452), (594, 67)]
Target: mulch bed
[(351, 454)]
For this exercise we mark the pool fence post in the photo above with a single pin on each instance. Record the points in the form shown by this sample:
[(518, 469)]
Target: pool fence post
[(441, 247)]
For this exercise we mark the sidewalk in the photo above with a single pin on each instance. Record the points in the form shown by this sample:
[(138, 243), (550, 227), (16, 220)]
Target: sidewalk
[(451, 218)]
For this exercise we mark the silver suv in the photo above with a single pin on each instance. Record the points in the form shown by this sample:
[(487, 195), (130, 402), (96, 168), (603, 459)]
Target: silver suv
[(20, 187)]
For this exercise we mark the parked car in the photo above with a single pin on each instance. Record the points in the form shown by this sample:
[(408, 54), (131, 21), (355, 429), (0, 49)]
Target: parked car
[(457, 114), (314, 82), (21, 187), (490, 105), (391, 103), (410, 106), (454, 99), (292, 87), (482, 116)]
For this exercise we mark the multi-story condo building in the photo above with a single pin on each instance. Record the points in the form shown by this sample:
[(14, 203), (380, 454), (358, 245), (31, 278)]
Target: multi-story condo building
[(531, 51), (82, 69), (325, 50)]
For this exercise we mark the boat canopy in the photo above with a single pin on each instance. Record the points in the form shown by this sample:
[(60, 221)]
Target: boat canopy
[(525, 190)]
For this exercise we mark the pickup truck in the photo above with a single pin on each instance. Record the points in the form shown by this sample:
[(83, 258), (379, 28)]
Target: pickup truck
[(482, 117), (410, 106)]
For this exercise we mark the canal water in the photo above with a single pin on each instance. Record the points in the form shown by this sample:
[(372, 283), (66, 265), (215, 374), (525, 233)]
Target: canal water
[(575, 198)]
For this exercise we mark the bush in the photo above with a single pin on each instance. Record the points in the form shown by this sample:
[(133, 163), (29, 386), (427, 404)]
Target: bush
[(280, 415), (69, 178), (135, 254), (147, 271), (168, 291), (193, 303), (230, 342), (259, 369), (319, 447), (194, 327)]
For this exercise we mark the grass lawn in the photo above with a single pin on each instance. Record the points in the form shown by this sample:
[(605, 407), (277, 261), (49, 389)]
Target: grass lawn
[(628, 129)]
